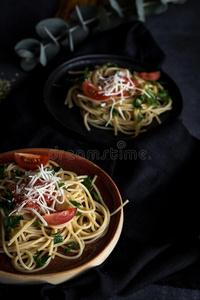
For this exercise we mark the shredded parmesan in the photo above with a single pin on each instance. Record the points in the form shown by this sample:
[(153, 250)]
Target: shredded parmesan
[(115, 84), (40, 188)]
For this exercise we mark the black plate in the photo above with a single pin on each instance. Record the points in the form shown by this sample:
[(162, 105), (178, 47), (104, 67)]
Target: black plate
[(71, 119)]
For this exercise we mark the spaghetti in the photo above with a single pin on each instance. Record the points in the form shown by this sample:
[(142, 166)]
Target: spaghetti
[(113, 98), (29, 199)]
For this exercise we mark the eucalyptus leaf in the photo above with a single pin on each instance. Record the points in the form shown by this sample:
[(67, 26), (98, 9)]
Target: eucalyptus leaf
[(51, 50), (114, 21), (114, 4), (80, 17), (140, 10), (28, 44), (53, 38), (75, 37), (65, 42), (155, 7), (28, 64), (103, 19), (87, 12), (80, 34), (55, 26), (71, 42), (25, 53), (43, 58)]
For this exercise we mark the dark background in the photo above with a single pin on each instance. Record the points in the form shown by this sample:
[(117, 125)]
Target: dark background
[(158, 254)]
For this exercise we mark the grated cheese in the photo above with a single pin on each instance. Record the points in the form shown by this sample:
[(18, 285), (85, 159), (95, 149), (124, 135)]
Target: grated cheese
[(39, 187), (115, 84)]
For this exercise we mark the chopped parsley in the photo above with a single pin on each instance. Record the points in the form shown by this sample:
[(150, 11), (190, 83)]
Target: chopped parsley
[(69, 247), (36, 224), (40, 261), (88, 184), (75, 203), (114, 111), (62, 184), (57, 237), (5, 203), (11, 222), (18, 172), (2, 170), (53, 171)]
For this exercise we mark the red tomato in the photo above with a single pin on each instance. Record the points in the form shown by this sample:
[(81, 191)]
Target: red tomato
[(92, 91), (153, 76), (30, 161), (60, 217), (32, 204)]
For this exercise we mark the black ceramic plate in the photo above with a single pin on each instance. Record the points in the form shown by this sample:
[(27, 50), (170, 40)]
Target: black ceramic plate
[(56, 88)]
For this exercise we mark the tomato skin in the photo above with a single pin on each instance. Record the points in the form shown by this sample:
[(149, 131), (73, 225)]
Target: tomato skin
[(153, 76), (60, 217), (92, 91), (30, 161)]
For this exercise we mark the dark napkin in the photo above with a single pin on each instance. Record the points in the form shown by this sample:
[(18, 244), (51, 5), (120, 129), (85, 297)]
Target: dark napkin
[(156, 172)]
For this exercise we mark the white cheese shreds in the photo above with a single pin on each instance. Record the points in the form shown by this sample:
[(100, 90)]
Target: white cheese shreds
[(39, 191), (116, 84)]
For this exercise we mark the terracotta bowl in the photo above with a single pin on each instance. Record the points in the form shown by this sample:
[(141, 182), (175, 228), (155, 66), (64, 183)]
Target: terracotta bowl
[(60, 270)]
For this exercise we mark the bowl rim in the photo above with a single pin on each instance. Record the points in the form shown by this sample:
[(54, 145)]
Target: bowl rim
[(100, 257)]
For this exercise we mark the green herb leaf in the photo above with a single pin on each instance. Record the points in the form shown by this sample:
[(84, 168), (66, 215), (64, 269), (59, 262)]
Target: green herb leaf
[(40, 261), (57, 237), (69, 247), (114, 112), (164, 95), (11, 222), (140, 117), (136, 102), (75, 203), (78, 213), (18, 172), (62, 184), (152, 100), (36, 224), (96, 196), (2, 170), (87, 182), (5, 203), (99, 106)]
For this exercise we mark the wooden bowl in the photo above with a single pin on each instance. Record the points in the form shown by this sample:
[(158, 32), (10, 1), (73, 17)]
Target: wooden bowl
[(60, 270)]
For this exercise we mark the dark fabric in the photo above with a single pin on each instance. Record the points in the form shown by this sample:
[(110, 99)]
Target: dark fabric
[(157, 256)]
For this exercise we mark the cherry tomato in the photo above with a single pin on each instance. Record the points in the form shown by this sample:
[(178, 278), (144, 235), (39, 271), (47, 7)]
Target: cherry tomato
[(92, 91), (30, 161), (153, 76), (60, 217)]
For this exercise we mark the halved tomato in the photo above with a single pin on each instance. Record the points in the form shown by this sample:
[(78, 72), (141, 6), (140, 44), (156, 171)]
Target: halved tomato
[(30, 161), (92, 91), (153, 76), (60, 217)]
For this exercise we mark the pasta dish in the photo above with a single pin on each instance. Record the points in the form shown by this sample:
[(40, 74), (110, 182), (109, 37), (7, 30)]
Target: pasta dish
[(113, 98), (47, 212)]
